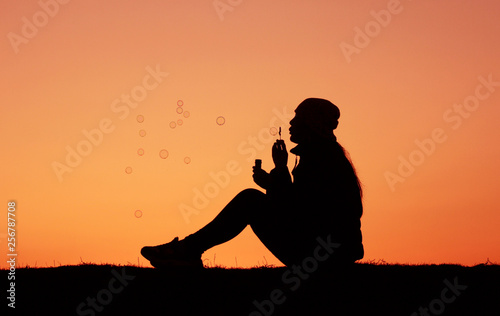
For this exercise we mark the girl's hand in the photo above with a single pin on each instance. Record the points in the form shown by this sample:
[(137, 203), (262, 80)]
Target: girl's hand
[(261, 178), (280, 154)]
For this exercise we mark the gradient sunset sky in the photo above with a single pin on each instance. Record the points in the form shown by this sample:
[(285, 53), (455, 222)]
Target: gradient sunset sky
[(128, 123)]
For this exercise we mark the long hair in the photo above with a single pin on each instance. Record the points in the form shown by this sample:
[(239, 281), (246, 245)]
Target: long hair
[(350, 172), (321, 118)]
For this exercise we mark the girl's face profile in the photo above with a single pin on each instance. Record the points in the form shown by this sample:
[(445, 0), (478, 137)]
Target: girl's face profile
[(299, 131), (314, 121)]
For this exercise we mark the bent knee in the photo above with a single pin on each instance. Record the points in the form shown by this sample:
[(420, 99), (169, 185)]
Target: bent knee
[(251, 194)]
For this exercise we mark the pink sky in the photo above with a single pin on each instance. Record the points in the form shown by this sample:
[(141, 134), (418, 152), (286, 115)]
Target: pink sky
[(400, 72)]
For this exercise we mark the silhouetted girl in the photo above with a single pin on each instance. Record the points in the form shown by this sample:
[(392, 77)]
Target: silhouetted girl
[(317, 215)]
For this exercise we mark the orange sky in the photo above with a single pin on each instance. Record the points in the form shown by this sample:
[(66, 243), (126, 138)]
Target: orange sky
[(417, 83)]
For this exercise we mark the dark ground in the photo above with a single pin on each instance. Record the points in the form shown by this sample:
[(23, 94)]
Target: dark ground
[(366, 290)]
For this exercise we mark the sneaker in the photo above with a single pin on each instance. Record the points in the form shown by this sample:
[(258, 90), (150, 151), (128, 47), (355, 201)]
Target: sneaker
[(172, 254)]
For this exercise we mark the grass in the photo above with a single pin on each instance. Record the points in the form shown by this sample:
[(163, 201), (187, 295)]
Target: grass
[(371, 288), (207, 263)]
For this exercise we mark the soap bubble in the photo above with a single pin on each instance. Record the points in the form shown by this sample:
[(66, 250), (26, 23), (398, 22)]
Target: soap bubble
[(140, 151), (220, 120), (172, 124), (138, 213), (128, 170), (140, 118), (142, 133), (273, 131), (179, 110), (163, 154), (180, 103), (179, 122), (187, 160), (186, 114)]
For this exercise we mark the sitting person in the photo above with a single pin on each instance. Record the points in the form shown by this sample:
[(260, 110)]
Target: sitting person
[(321, 206)]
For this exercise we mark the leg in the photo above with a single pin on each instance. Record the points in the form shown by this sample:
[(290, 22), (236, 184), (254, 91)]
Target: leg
[(270, 221), (248, 206)]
